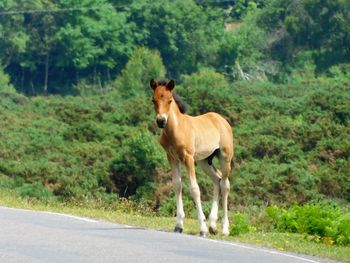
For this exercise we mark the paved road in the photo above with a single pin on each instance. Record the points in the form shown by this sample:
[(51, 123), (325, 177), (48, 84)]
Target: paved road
[(28, 236)]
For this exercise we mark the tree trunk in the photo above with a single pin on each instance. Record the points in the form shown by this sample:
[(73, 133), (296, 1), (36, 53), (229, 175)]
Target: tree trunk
[(240, 71), (94, 76), (100, 84), (109, 76), (7, 62), (22, 79), (46, 72)]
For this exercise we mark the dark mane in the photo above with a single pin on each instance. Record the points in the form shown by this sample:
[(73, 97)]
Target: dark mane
[(180, 103), (162, 82)]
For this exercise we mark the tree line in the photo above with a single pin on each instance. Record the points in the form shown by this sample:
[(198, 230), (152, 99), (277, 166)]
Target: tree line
[(56, 46)]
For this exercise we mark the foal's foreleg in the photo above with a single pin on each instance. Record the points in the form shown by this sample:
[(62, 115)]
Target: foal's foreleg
[(180, 214), (195, 192)]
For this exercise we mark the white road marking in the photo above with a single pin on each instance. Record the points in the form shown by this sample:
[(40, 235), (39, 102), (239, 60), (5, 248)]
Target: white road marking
[(71, 216), (259, 249), (54, 213)]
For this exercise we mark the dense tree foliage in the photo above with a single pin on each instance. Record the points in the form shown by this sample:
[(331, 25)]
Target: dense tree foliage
[(321, 27), (89, 39), (56, 46), (186, 34)]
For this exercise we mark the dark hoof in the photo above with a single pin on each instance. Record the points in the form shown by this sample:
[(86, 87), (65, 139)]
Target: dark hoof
[(178, 230), (212, 231), (203, 234)]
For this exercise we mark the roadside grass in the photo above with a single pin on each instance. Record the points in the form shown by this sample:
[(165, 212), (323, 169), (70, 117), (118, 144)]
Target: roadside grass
[(295, 243), (280, 241)]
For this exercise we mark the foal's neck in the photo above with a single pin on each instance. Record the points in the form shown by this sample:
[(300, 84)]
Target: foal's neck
[(174, 118)]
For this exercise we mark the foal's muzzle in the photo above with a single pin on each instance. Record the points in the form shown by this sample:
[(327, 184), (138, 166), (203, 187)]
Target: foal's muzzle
[(161, 122)]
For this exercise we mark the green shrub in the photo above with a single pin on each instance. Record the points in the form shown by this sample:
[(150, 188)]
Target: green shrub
[(143, 65), (136, 163), (5, 181), (241, 225), (265, 182), (320, 220), (88, 131), (340, 70), (206, 91), (302, 67), (5, 85), (340, 230), (167, 207), (35, 190)]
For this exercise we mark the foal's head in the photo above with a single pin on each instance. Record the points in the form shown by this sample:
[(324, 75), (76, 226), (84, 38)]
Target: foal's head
[(162, 99)]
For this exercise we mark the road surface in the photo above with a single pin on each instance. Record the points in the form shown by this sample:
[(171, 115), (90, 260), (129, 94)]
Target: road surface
[(30, 236)]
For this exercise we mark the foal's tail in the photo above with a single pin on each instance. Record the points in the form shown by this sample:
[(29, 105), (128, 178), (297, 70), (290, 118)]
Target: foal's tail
[(232, 164)]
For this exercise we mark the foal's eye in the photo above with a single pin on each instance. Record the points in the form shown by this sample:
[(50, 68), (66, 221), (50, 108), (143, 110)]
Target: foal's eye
[(170, 101)]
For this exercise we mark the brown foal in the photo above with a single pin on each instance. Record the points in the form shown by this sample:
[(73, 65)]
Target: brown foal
[(194, 139)]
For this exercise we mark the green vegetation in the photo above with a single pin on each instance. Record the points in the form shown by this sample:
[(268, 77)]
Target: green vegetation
[(323, 221), (292, 142), (77, 124)]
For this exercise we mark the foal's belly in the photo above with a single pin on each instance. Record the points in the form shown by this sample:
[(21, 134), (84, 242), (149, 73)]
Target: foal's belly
[(200, 153), (206, 142), (204, 152)]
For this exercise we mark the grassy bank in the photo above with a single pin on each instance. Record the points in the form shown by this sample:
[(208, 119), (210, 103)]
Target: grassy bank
[(122, 214)]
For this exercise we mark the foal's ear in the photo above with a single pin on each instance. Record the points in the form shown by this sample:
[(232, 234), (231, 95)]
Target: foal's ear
[(153, 84), (170, 85)]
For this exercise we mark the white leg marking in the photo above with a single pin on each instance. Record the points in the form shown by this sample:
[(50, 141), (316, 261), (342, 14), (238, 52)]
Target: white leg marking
[(216, 177), (225, 188), (201, 217), (195, 192), (180, 214)]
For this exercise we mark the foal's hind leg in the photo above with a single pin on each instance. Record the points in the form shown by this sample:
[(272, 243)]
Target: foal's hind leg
[(225, 164), (216, 177)]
